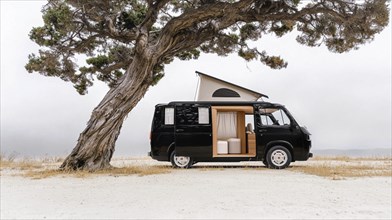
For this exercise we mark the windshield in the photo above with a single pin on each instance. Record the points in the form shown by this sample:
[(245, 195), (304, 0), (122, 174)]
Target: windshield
[(274, 117)]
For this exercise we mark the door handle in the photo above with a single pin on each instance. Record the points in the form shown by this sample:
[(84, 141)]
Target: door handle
[(262, 130), (179, 130)]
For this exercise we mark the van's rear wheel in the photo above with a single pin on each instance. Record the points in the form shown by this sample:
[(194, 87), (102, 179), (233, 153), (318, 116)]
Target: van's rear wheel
[(180, 161), (278, 157)]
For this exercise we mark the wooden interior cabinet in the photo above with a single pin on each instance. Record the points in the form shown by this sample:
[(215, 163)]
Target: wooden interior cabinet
[(251, 137)]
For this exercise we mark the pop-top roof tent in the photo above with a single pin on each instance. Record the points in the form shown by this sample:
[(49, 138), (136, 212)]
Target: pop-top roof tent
[(214, 89)]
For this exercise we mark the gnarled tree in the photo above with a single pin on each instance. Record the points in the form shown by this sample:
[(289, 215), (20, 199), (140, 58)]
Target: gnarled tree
[(127, 43)]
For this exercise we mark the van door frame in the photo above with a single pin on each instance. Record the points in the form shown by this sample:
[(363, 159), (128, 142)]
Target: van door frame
[(245, 109)]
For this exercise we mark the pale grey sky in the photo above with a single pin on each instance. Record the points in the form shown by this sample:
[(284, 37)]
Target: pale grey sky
[(343, 99)]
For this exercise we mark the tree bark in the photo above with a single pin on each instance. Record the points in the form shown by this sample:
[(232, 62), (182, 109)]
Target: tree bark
[(96, 143)]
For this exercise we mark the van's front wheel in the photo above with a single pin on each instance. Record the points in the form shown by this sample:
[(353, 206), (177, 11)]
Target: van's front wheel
[(180, 161), (278, 157)]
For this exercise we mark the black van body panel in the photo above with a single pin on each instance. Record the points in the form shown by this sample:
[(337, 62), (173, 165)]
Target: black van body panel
[(189, 138), (162, 136)]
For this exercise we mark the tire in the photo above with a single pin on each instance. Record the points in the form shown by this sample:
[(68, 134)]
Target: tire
[(278, 157), (265, 163), (180, 161)]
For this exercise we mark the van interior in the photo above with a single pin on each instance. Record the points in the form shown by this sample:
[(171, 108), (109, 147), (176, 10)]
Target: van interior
[(233, 131)]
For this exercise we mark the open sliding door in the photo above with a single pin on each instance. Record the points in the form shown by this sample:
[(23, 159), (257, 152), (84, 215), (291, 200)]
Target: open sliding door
[(223, 126)]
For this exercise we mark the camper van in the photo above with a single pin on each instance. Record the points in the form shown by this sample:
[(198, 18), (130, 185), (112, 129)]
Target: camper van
[(185, 133)]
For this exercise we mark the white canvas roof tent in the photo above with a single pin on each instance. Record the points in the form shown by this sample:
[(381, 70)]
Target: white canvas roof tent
[(214, 89)]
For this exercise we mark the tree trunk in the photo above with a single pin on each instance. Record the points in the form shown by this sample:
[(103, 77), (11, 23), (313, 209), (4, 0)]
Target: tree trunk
[(96, 143)]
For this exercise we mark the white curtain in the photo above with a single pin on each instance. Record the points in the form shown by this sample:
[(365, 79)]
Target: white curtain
[(227, 125)]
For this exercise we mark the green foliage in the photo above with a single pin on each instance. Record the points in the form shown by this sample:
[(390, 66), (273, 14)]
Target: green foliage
[(275, 62), (341, 34), (45, 64), (129, 19), (156, 78), (250, 32), (281, 28), (248, 54), (107, 32), (58, 18), (221, 44), (98, 61), (57, 23), (189, 54)]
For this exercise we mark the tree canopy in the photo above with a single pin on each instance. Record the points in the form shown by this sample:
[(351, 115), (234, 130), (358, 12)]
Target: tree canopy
[(105, 33)]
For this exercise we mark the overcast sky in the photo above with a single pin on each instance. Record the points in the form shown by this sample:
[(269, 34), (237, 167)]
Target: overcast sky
[(343, 99)]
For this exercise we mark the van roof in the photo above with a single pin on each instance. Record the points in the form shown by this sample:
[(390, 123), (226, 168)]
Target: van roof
[(220, 103)]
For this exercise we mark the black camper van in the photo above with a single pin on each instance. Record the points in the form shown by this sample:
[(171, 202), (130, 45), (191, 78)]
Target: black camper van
[(189, 132)]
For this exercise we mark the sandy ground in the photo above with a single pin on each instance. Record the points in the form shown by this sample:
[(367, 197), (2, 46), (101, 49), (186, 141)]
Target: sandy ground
[(198, 193)]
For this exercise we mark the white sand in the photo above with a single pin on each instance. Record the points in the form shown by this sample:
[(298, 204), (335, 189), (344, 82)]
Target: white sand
[(230, 193)]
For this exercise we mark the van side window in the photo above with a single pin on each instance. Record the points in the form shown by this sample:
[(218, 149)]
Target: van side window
[(249, 121), (274, 117), (204, 116), (157, 120), (169, 116)]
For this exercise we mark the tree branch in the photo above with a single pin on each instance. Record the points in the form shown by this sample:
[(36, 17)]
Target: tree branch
[(153, 12)]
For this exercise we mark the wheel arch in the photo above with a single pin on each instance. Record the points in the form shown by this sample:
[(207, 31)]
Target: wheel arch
[(170, 149), (282, 143)]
